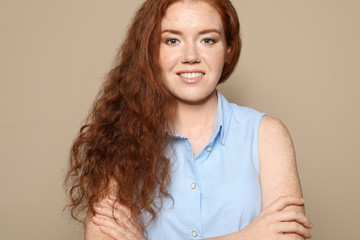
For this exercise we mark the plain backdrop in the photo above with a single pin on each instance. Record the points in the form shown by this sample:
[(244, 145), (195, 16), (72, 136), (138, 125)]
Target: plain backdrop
[(300, 62)]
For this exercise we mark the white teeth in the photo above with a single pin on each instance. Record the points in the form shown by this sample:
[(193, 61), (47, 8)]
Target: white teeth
[(191, 75)]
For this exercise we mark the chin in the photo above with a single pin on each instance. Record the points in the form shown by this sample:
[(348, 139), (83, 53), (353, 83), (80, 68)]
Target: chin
[(194, 99)]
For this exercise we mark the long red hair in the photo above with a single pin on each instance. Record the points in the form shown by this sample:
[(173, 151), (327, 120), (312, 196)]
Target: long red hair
[(127, 131)]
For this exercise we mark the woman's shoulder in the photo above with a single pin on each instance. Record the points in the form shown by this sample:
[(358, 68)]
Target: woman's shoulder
[(243, 113), (244, 110), (273, 127), (237, 110), (268, 123)]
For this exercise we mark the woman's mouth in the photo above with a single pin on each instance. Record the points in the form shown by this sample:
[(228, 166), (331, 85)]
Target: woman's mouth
[(191, 77)]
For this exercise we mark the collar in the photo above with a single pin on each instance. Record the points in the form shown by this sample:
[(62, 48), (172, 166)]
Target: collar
[(222, 120)]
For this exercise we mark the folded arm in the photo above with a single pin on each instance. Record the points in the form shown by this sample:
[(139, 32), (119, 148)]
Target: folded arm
[(283, 215), (111, 221), (93, 231)]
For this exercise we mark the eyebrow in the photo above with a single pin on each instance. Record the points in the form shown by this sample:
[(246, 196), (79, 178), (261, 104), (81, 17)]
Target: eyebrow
[(205, 31)]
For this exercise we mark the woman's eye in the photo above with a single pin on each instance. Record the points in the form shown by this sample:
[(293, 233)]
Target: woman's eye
[(208, 41), (172, 41)]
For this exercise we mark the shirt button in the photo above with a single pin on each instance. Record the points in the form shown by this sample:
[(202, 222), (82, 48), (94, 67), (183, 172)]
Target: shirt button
[(194, 233), (208, 148), (193, 186)]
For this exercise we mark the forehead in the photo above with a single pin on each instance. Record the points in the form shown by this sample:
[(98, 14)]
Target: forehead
[(191, 15)]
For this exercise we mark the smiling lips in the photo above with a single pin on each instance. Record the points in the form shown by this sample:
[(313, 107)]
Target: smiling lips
[(191, 76)]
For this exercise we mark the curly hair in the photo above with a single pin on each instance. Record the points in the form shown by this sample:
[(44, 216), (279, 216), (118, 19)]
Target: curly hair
[(129, 126)]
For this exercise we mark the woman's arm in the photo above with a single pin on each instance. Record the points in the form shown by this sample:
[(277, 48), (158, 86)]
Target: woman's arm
[(103, 226), (92, 231), (283, 212), (278, 171)]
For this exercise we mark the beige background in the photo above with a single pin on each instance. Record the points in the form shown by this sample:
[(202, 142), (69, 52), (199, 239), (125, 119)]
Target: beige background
[(300, 62)]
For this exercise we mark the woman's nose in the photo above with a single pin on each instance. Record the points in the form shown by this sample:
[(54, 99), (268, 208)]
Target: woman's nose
[(190, 54)]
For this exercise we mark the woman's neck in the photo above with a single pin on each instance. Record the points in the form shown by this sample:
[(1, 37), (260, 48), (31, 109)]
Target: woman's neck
[(194, 118)]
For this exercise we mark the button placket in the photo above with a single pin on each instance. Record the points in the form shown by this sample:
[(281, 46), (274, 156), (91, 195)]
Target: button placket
[(195, 194)]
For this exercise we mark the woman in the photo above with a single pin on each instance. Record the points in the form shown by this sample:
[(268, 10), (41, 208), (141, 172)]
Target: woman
[(164, 155)]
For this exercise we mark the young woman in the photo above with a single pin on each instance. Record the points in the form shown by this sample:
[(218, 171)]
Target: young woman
[(165, 156)]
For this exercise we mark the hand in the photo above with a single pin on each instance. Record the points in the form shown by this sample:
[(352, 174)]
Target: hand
[(124, 227), (275, 223)]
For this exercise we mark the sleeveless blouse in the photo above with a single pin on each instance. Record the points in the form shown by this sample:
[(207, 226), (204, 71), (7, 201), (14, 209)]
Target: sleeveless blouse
[(218, 192)]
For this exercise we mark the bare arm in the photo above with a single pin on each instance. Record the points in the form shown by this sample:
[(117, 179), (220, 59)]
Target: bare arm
[(92, 231), (278, 171), (103, 225), (283, 211)]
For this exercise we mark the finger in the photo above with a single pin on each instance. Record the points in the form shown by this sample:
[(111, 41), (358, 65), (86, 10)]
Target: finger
[(114, 229), (110, 225), (117, 205), (108, 212), (125, 212), (284, 201), (116, 215), (104, 221), (121, 217), (290, 236), (293, 215), (293, 227), (113, 233)]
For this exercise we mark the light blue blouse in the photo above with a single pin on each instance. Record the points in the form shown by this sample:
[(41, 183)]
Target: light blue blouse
[(217, 192)]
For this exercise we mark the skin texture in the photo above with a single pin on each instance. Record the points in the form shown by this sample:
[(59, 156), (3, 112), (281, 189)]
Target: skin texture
[(198, 44), (283, 215), (278, 171), (102, 226), (92, 230), (183, 48)]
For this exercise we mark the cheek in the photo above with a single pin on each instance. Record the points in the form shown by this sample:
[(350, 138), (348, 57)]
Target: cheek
[(167, 60), (216, 59), (162, 62)]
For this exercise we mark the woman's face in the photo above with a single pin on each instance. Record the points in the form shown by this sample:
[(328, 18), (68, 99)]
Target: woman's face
[(193, 50)]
